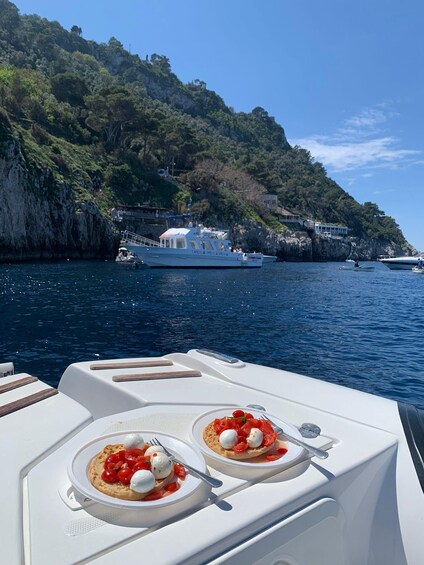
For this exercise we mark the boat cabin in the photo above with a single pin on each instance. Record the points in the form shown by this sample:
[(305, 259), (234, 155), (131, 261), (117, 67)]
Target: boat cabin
[(195, 239)]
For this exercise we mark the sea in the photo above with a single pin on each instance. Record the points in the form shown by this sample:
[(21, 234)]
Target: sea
[(357, 329)]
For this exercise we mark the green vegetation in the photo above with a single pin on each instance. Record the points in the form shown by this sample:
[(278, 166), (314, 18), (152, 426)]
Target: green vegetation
[(103, 121)]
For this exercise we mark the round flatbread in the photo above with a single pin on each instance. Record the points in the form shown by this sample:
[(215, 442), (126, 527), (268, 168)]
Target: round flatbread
[(118, 490), (211, 439)]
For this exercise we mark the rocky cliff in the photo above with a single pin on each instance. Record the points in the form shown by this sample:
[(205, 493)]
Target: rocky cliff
[(40, 219), (307, 246)]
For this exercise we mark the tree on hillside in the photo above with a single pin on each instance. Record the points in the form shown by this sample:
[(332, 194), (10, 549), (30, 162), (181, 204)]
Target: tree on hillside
[(111, 114), (76, 30), (69, 87), (161, 62)]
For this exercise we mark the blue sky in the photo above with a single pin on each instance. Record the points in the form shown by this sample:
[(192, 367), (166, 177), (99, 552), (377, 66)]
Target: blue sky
[(345, 78)]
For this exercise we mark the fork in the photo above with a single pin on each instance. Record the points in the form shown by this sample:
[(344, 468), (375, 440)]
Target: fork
[(313, 450), (211, 481)]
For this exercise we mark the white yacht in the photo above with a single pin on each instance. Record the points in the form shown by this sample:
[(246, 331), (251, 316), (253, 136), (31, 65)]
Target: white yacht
[(197, 247), (353, 496), (400, 263)]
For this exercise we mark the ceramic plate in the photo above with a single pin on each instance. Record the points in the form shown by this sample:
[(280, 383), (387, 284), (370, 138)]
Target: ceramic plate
[(77, 469), (200, 423)]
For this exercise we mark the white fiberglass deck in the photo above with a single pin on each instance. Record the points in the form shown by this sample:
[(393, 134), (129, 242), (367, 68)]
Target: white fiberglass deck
[(314, 512)]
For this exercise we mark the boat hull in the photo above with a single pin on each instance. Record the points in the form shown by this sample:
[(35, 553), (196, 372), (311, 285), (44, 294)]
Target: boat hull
[(158, 257), (366, 269), (400, 263)]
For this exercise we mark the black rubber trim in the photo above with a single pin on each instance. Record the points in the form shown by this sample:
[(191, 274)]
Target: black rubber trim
[(413, 424)]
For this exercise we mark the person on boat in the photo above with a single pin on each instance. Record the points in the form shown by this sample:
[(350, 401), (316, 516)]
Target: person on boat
[(356, 264), (420, 263)]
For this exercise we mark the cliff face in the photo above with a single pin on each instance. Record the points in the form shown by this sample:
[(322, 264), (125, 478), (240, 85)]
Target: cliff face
[(300, 246), (40, 219)]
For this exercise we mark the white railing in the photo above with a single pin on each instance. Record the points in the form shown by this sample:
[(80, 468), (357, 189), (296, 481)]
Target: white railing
[(134, 238)]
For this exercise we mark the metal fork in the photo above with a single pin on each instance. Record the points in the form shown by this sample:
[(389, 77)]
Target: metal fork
[(313, 450), (211, 481)]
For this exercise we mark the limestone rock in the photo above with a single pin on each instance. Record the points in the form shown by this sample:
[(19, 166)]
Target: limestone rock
[(40, 219)]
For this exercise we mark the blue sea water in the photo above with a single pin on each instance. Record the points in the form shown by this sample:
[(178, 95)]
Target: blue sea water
[(358, 329)]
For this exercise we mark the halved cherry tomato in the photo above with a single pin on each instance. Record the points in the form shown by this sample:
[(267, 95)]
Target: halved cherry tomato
[(113, 466), (109, 476), (179, 471), (269, 439), (221, 424), (172, 487), (248, 415), (238, 413), (131, 455), (142, 464), (240, 447), (154, 495), (124, 475), (282, 450), (273, 457)]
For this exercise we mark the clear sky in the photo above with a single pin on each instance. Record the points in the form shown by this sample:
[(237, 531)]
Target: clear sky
[(345, 78)]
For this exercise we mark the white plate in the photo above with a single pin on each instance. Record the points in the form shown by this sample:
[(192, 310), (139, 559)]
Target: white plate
[(200, 423), (77, 469)]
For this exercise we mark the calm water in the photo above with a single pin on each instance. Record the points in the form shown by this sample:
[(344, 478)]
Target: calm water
[(362, 330)]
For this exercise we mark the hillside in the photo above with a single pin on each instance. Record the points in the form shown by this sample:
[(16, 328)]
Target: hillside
[(85, 126)]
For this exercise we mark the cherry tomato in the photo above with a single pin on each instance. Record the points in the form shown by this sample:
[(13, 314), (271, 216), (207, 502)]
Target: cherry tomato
[(124, 475), (140, 465), (179, 471), (282, 450), (221, 424), (109, 476), (238, 413), (114, 458), (113, 466), (131, 455), (248, 415), (240, 447), (154, 495), (273, 457), (172, 487), (269, 439)]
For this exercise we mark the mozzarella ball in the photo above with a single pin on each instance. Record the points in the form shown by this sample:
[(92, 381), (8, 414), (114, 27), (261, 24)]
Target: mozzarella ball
[(228, 439), (255, 438)]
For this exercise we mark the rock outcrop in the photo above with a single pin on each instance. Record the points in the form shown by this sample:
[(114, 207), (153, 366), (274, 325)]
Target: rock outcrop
[(41, 219), (308, 246)]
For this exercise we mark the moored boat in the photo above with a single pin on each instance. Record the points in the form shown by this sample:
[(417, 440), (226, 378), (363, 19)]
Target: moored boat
[(196, 247), (269, 258), (126, 257), (364, 503), (400, 263), (358, 268)]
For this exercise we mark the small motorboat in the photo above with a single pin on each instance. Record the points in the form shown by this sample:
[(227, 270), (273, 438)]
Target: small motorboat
[(418, 270), (358, 268), (127, 257)]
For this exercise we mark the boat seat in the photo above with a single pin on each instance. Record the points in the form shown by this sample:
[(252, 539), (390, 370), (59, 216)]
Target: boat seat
[(131, 364), (16, 383), (153, 376), (26, 401), (35, 420)]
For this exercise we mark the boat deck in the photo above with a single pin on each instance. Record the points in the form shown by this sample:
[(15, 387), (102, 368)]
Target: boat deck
[(256, 516)]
